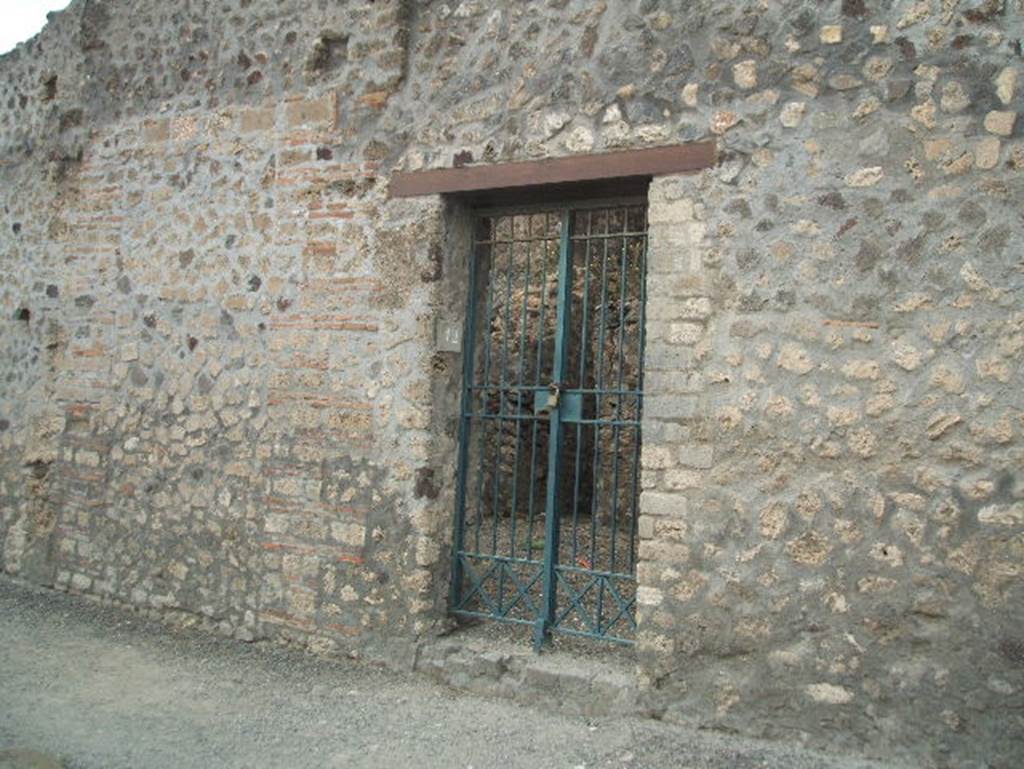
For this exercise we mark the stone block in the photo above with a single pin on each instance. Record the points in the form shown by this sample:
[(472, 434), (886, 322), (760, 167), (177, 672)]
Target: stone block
[(154, 131), (661, 356), (675, 212), (831, 34), (792, 114), (311, 113), (669, 406), (257, 119), (670, 250), (1006, 84), (1000, 122), (693, 455), (663, 504)]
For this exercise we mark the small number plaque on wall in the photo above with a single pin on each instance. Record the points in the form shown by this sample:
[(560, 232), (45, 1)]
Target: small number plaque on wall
[(448, 335)]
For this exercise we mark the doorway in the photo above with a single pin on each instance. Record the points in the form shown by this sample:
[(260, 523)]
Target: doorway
[(549, 454)]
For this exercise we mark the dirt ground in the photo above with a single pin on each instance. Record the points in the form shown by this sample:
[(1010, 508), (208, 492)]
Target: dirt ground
[(98, 688)]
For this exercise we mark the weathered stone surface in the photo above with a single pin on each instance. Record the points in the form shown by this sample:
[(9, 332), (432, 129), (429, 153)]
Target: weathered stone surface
[(986, 153), (722, 121), (22, 758), (829, 694), (1006, 84), (865, 177), (954, 97), (1000, 122), (831, 34), (745, 74), (220, 392), (792, 114)]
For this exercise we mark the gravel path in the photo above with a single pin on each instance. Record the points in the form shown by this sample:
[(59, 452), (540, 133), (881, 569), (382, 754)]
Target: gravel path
[(100, 688)]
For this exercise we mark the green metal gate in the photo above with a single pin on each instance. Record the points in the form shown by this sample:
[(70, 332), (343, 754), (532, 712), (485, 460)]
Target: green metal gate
[(546, 510)]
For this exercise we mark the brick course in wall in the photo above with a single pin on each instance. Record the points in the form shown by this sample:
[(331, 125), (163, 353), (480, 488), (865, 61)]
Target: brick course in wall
[(220, 392)]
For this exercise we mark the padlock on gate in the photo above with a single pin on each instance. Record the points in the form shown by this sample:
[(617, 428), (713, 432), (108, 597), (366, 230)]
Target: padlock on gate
[(547, 402)]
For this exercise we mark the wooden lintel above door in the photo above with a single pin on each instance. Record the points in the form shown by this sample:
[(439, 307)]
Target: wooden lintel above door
[(609, 169)]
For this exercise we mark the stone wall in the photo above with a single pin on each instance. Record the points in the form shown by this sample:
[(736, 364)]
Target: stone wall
[(220, 392), (217, 328)]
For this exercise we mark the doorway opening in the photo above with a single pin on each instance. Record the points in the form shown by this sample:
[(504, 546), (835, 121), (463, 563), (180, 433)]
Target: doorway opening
[(549, 450)]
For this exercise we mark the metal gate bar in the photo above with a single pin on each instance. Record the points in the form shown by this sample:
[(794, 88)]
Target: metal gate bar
[(553, 371), (597, 581)]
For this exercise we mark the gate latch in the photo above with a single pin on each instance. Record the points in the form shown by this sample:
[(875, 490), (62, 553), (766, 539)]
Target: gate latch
[(547, 402)]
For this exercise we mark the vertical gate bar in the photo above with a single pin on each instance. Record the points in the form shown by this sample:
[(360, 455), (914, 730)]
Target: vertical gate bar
[(514, 513), (486, 381), (496, 499), (545, 245), (502, 374), (617, 429), (465, 426), (585, 312), (598, 388), (641, 333), (545, 622)]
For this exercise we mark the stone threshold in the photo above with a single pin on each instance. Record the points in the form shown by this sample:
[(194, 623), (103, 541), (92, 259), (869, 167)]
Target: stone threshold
[(602, 683)]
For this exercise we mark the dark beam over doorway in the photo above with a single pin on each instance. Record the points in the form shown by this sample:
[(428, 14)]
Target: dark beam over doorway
[(604, 167)]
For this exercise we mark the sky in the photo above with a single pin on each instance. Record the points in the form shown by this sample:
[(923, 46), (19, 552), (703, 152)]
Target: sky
[(20, 19)]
